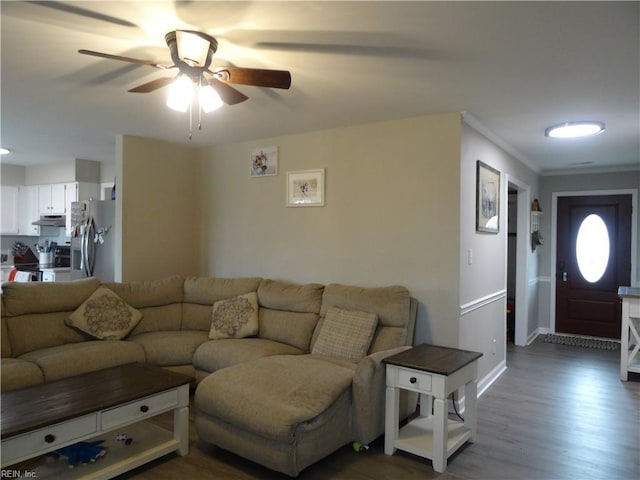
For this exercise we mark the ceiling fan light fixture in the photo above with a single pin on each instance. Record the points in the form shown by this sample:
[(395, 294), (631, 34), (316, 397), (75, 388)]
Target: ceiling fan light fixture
[(192, 48), (180, 94), (574, 129), (209, 98)]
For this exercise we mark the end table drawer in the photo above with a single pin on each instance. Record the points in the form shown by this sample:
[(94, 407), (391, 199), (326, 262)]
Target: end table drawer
[(414, 380), (140, 409), (49, 438)]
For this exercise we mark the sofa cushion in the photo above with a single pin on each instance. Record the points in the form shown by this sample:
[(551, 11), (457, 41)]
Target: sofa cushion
[(76, 358), (292, 390), (278, 295), (17, 373), (170, 348), (235, 317), (41, 330), (105, 316), (200, 293), (45, 297), (4, 338), (292, 328), (345, 334), (392, 305), (150, 293), (160, 302), (216, 354)]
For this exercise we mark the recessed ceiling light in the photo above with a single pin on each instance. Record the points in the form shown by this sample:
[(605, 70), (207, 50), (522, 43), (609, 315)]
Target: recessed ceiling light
[(574, 129)]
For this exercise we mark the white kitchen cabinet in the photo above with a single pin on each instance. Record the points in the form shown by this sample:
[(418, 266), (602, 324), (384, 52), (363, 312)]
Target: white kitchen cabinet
[(28, 211), (51, 199), (9, 209)]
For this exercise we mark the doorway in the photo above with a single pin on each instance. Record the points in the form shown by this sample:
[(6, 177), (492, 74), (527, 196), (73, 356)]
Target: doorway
[(518, 258), (593, 258)]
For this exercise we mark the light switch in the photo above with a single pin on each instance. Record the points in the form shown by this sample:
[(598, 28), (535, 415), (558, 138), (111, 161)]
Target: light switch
[(470, 257)]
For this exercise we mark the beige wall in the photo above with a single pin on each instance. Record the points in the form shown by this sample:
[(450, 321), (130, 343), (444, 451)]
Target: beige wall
[(155, 208), (391, 214)]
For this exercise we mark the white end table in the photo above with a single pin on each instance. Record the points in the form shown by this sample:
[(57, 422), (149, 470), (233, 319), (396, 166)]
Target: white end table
[(630, 335), (433, 372)]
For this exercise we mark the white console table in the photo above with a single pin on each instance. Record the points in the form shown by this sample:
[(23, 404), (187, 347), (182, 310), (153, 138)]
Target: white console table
[(630, 338), (434, 372)]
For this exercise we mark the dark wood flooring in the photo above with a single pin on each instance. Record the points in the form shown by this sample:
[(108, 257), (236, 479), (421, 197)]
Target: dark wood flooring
[(558, 412)]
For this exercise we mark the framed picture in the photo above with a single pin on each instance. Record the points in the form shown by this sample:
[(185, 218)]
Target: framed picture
[(487, 198), (264, 161), (305, 188)]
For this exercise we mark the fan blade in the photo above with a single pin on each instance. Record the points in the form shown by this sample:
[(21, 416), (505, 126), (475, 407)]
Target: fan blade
[(254, 76), (228, 94), (152, 85), (125, 59)]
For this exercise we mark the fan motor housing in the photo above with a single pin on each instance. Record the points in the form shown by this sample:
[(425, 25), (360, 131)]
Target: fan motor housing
[(184, 65)]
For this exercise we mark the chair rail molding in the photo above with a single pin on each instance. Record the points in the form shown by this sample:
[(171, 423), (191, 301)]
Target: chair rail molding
[(482, 302)]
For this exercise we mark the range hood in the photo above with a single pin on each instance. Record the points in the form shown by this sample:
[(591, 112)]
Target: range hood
[(51, 221)]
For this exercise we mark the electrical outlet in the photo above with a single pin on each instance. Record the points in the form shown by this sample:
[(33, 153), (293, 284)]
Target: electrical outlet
[(470, 257)]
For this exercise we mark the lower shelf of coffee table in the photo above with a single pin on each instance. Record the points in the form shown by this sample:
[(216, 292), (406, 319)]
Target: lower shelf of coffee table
[(148, 442)]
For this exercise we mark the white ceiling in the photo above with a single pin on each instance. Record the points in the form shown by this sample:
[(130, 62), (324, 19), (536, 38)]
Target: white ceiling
[(515, 67)]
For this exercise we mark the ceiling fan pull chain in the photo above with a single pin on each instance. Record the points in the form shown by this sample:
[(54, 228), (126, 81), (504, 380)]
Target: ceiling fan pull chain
[(190, 120), (200, 118)]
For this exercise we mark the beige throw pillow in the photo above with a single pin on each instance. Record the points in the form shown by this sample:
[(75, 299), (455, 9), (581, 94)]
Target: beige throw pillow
[(104, 315), (235, 317), (346, 334)]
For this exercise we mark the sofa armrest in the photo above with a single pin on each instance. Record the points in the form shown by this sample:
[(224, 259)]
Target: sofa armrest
[(368, 391)]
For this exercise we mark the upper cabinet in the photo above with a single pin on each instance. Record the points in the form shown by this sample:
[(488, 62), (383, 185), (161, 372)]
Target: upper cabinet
[(10, 200), (28, 210), (51, 199)]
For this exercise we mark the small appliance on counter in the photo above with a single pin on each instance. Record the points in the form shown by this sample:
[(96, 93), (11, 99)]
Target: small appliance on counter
[(25, 260)]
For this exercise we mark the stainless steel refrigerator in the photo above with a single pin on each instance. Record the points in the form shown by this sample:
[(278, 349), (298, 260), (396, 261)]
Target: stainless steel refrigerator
[(93, 239)]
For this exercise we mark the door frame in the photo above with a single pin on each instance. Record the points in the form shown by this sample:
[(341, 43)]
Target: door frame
[(554, 233), (523, 248)]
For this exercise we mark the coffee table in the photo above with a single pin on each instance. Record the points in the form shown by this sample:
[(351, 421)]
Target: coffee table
[(97, 406)]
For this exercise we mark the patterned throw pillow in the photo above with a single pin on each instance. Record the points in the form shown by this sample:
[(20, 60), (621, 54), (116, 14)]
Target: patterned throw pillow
[(346, 334), (104, 315), (235, 317)]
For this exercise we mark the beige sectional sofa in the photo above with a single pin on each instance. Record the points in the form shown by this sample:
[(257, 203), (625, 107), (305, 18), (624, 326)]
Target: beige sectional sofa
[(298, 387)]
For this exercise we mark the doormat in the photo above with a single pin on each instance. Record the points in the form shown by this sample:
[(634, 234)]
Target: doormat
[(588, 342)]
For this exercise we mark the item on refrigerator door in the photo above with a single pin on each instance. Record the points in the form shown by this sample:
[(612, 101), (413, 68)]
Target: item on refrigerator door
[(92, 250)]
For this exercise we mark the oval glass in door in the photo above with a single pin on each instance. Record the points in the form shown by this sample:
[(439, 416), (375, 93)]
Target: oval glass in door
[(592, 248)]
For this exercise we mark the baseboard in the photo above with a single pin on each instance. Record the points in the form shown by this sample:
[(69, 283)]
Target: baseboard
[(483, 384), (536, 333)]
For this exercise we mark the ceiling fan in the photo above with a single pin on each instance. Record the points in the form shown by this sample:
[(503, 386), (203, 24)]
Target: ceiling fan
[(192, 53)]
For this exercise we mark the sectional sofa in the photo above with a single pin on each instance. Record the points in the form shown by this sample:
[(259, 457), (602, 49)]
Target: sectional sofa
[(284, 374)]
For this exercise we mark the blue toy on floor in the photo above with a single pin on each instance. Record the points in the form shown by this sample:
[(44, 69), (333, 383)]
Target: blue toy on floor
[(82, 452)]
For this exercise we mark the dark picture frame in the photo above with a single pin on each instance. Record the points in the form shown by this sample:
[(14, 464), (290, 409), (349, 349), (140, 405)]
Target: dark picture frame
[(487, 198)]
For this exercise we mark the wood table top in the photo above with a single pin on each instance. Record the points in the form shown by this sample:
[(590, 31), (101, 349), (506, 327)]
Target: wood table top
[(39, 406), (434, 359)]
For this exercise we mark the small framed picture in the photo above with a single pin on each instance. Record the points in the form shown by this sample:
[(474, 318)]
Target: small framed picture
[(305, 188), (487, 198), (264, 161)]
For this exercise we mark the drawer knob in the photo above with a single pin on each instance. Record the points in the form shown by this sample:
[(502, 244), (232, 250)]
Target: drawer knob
[(49, 438), (413, 379), (144, 409)]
